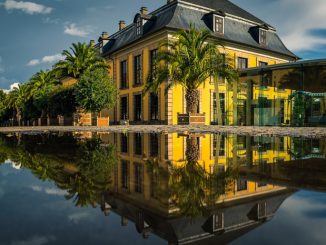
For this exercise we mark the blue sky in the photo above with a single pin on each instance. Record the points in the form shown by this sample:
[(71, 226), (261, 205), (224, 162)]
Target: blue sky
[(34, 32)]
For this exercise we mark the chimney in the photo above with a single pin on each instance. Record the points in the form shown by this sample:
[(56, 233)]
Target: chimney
[(105, 35), (122, 24), (92, 43), (144, 11), (103, 39)]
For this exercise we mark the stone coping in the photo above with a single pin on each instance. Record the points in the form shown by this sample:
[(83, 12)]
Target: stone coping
[(307, 132)]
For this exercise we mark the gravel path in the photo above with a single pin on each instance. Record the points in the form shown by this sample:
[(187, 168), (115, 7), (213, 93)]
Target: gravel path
[(240, 130)]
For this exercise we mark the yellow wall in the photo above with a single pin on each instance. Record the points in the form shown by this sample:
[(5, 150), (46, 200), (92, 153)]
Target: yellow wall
[(174, 102)]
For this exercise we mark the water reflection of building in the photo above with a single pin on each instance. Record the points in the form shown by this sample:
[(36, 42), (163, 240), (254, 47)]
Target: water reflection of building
[(143, 182)]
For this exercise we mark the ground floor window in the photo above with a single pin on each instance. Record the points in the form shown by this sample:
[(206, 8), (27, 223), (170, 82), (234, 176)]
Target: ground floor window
[(153, 100), (124, 108), (138, 144), (153, 141), (222, 105), (137, 107), (124, 143)]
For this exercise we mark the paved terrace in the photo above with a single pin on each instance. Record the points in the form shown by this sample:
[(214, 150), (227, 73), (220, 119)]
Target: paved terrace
[(307, 132)]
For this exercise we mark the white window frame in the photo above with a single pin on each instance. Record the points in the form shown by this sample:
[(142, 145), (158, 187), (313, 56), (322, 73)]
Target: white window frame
[(214, 23), (260, 35), (139, 26)]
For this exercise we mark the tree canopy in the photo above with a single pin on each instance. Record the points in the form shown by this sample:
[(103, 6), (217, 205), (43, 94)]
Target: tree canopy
[(95, 90)]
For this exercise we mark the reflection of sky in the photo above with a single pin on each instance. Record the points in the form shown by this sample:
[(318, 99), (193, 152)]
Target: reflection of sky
[(33, 212), (300, 220)]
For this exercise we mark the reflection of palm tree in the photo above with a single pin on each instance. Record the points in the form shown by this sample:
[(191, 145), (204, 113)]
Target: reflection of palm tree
[(193, 189)]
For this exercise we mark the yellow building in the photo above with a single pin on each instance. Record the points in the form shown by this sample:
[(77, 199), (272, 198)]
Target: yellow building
[(130, 53)]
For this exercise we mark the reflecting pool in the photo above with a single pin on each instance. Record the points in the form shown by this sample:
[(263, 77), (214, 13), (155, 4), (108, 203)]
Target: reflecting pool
[(97, 188)]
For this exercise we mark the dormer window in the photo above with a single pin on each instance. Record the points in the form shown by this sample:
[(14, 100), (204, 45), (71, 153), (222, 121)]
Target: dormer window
[(139, 26), (218, 24), (262, 36)]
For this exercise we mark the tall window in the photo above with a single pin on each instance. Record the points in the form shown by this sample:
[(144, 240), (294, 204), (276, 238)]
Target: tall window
[(222, 104), (219, 24), (123, 75), (138, 144), (137, 107), (139, 178), (139, 26), (137, 70), (242, 63), (153, 100), (153, 56), (124, 108), (124, 174), (262, 36)]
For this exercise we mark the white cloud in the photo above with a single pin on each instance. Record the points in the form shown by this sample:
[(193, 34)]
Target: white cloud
[(46, 59), (293, 19), (74, 30), (33, 62), (27, 7), (4, 82), (49, 191), (54, 191)]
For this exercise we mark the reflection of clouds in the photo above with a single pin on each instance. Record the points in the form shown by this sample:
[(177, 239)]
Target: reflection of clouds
[(295, 222), (35, 240), (76, 217), (49, 191)]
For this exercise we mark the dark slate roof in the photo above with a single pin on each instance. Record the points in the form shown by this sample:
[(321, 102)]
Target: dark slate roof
[(179, 16), (227, 7)]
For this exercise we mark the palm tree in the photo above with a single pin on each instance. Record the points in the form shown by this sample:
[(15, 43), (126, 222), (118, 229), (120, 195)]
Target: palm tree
[(81, 58), (17, 100), (42, 85), (190, 61)]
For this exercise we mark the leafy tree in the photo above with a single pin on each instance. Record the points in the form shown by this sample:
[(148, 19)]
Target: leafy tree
[(95, 90), (81, 58), (62, 102), (190, 61)]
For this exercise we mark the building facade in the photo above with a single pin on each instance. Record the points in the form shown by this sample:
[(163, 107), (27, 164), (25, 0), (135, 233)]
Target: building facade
[(130, 53)]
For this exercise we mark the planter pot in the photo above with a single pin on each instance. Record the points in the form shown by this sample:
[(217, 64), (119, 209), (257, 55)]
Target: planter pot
[(191, 119), (103, 122), (124, 122)]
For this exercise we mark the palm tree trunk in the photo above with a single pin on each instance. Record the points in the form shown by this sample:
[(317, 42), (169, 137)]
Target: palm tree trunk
[(192, 149), (192, 100)]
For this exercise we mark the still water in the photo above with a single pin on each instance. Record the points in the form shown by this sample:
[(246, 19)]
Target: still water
[(86, 188)]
